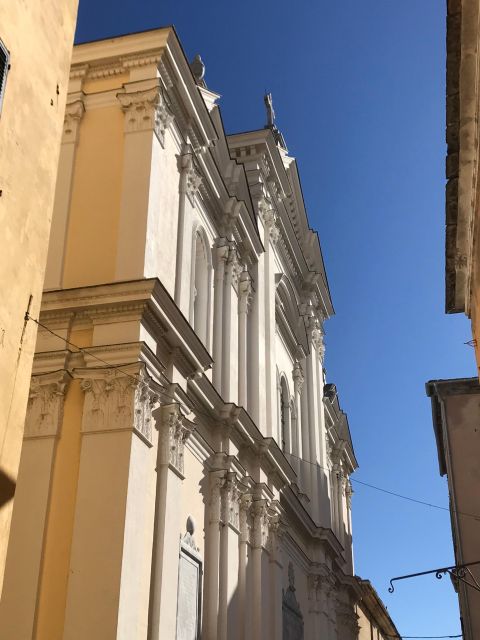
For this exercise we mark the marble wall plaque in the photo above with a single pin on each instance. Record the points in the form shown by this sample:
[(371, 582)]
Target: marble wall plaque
[(189, 596)]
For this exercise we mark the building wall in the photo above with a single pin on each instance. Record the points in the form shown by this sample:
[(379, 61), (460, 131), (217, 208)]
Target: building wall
[(158, 439), (39, 37)]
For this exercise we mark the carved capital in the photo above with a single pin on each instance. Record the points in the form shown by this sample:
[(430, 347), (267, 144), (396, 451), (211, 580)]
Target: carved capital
[(216, 483), (260, 514), (73, 114), (298, 377), (231, 494), (45, 404), (173, 432), (269, 218), (146, 110), (245, 504), (116, 400), (190, 180), (317, 342), (244, 292)]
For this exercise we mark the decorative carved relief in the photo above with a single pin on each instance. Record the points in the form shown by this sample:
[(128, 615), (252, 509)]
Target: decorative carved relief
[(298, 377), (245, 524), (217, 480), (173, 433), (146, 110), (188, 539), (73, 114), (45, 404), (190, 180), (115, 401), (244, 292), (230, 513), (317, 342), (269, 218), (349, 493), (260, 515)]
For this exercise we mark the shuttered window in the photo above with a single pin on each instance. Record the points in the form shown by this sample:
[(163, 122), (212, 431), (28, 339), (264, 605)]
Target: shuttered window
[(4, 66)]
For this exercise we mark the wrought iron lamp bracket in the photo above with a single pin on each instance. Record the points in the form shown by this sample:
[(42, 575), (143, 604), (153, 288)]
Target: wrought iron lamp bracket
[(456, 572)]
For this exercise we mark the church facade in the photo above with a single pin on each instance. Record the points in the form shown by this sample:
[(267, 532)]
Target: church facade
[(185, 465)]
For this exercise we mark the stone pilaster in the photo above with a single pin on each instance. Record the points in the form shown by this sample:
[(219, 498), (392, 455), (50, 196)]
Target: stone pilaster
[(173, 431), (211, 600), (220, 252), (244, 299)]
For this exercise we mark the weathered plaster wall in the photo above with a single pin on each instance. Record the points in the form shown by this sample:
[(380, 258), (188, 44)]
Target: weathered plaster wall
[(39, 37)]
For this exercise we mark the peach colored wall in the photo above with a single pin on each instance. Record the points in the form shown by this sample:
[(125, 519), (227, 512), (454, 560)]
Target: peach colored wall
[(39, 37)]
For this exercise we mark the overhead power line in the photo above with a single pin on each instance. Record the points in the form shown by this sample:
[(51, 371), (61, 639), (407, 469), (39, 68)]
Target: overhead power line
[(197, 410)]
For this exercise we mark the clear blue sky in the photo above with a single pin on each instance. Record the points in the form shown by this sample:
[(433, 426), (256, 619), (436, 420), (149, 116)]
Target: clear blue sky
[(358, 88)]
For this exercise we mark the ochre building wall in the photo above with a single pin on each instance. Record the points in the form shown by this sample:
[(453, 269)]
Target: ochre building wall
[(39, 38)]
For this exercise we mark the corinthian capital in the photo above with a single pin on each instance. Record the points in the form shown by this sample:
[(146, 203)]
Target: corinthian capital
[(298, 377), (45, 404), (174, 430), (73, 114), (146, 110), (244, 292), (117, 400)]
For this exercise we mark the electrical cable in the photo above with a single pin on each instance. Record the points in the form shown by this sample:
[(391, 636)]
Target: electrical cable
[(199, 411)]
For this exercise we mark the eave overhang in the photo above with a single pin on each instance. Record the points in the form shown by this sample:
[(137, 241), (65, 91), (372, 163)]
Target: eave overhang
[(462, 152)]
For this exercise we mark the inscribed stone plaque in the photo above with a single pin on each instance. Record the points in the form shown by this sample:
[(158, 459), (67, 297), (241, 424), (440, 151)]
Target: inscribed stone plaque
[(188, 604)]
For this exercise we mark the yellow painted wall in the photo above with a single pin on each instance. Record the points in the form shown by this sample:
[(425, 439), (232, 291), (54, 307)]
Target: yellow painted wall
[(58, 538), (39, 36), (94, 213)]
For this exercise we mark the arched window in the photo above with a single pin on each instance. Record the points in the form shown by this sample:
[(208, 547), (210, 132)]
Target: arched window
[(201, 288), (285, 417)]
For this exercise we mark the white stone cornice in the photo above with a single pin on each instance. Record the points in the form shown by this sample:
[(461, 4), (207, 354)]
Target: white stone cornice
[(73, 114), (45, 404), (173, 429), (146, 110), (117, 400)]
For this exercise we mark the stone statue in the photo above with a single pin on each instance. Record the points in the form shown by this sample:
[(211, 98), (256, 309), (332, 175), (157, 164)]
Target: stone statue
[(270, 112)]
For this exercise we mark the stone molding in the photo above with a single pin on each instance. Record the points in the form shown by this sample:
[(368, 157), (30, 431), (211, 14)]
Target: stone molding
[(146, 110), (174, 430), (45, 404), (74, 112), (116, 400)]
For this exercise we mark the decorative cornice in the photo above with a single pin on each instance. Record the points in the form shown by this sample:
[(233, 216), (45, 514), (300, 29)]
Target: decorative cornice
[(45, 404), (146, 110)]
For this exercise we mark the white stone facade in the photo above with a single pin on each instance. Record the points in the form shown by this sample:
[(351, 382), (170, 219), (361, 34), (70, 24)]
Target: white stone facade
[(211, 338)]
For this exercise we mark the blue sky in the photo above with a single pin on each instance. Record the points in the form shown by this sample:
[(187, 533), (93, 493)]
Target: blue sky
[(358, 89)]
